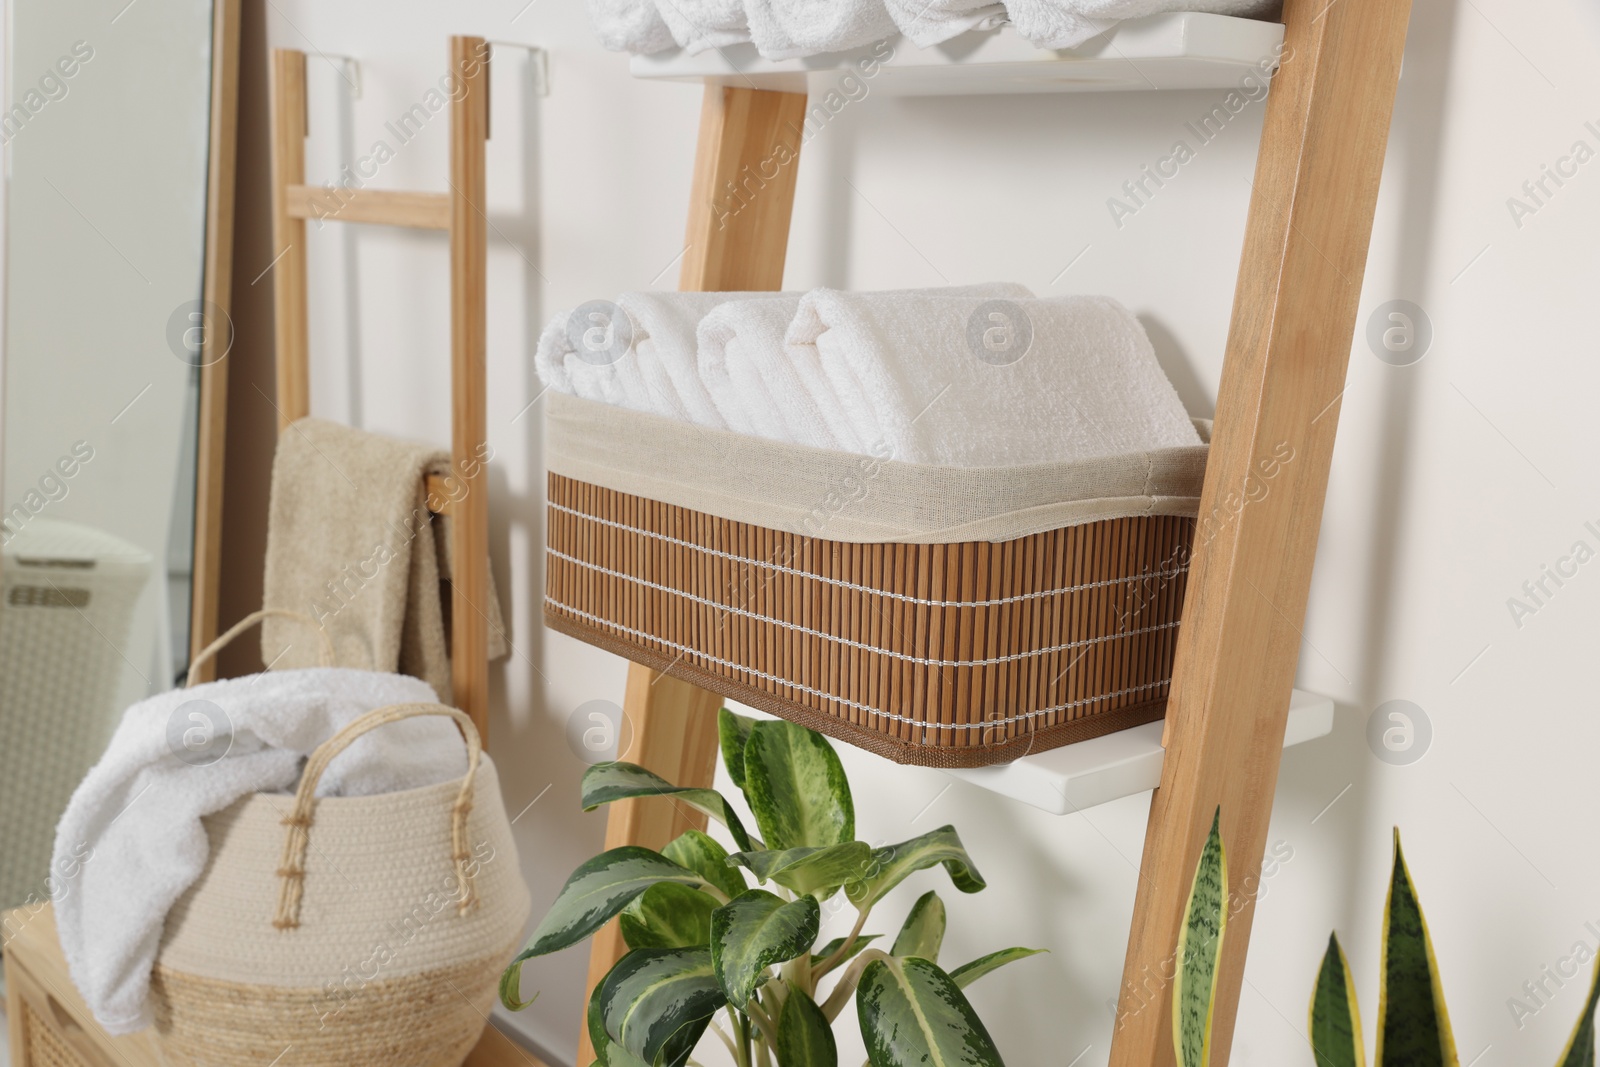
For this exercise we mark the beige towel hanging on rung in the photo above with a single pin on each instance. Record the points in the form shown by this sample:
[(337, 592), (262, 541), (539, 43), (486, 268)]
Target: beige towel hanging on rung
[(350, 542)]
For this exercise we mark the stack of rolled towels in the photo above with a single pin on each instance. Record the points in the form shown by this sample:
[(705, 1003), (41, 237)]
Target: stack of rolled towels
[(968, 376), (789, 29)]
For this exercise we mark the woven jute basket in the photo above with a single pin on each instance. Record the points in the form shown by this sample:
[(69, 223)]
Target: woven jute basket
[(346, 931), (937, 616)]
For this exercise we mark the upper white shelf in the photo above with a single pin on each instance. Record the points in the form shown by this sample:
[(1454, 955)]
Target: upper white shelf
[(1073, 777), (1183, 50)]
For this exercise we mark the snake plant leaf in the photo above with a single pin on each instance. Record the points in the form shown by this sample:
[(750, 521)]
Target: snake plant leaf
[(668, 915), (706, 857), (911, 1012), (599, 889), (1205, 921), (837, 943), (892, 864), (968, 973), (656, 1002), (607, 1053), (1580, 1046), (1335, 1018), (818, 871), (1413, 1023), (805, 1037), (605, 783), (755, 930), (733, 731), (923, 931), (796, 787)]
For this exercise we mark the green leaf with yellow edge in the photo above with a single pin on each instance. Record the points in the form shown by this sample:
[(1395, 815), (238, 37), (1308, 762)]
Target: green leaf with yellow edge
[(805, 1037), (705, 856), (923, 931), (668, 915), (796, 787), (1580, 1046), (1335, 1018), (1205, 921), (1413, 1023)]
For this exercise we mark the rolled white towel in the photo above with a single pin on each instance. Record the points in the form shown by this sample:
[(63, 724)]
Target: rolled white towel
[(985, 382), (697, 25), (1069, 23), (930, 22), (665, 326), (766, 387), (590, 352), (131, 841), (789, 29), (629, 25)]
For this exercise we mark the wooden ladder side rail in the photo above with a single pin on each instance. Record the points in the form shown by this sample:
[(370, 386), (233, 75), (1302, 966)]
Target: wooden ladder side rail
[(1305, 250), (738, 237), (460, 212)]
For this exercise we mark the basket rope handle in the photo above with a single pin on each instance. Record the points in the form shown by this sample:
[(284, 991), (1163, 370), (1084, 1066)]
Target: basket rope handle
[(292, 871), (326, 645)]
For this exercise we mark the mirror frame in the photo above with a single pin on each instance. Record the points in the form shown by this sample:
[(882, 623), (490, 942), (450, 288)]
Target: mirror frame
[(211, 433)]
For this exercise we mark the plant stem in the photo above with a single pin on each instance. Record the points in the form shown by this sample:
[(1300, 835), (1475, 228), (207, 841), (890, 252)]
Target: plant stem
[(844, 949), (726, 1040), (763, 1055), (847, 983), (741, 1026), (764, 1021)]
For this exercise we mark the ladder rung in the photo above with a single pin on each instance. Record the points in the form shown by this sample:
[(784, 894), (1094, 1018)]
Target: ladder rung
[(439, 490), (385, 207)]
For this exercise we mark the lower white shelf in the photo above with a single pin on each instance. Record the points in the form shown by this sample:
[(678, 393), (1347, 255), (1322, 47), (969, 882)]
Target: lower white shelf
[(1068, 779)]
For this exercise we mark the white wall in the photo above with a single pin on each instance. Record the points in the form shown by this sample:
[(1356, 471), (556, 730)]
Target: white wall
[(1454, 481)]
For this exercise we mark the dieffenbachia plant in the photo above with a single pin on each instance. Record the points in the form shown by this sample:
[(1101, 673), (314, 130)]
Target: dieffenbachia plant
[(1413, 1023), (702, 940)]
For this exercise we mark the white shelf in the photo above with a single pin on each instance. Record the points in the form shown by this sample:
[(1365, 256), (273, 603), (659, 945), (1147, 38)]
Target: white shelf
[(1184, 50), (1068, 779)]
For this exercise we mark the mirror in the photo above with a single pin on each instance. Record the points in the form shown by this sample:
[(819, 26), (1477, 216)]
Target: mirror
[(118, 140)]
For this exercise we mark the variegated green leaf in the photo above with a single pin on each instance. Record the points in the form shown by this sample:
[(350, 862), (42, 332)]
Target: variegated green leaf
[(911, 1012), (598, 890), (754, 931), (892, 864), (796, 787), (923, 931), (805, 1038), (809, 870), (1205, 921), (668, 915), (733, 731), (968, 973), (1413, 1023), (706, 857), (607, 1053), (837, 943), (511, 987), (657, 1002), (1580, 1046), (1335, 1017), (606, 783)]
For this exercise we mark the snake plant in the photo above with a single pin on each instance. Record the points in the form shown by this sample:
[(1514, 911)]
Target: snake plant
[(1413, 1023), (702, 940)]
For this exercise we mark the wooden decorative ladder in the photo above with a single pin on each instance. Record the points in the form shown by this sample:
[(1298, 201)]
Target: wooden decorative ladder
[(459, 213), (1305, 250)]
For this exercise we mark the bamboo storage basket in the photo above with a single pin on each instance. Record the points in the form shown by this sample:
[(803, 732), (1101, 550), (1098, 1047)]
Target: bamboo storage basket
[(951, 618)]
